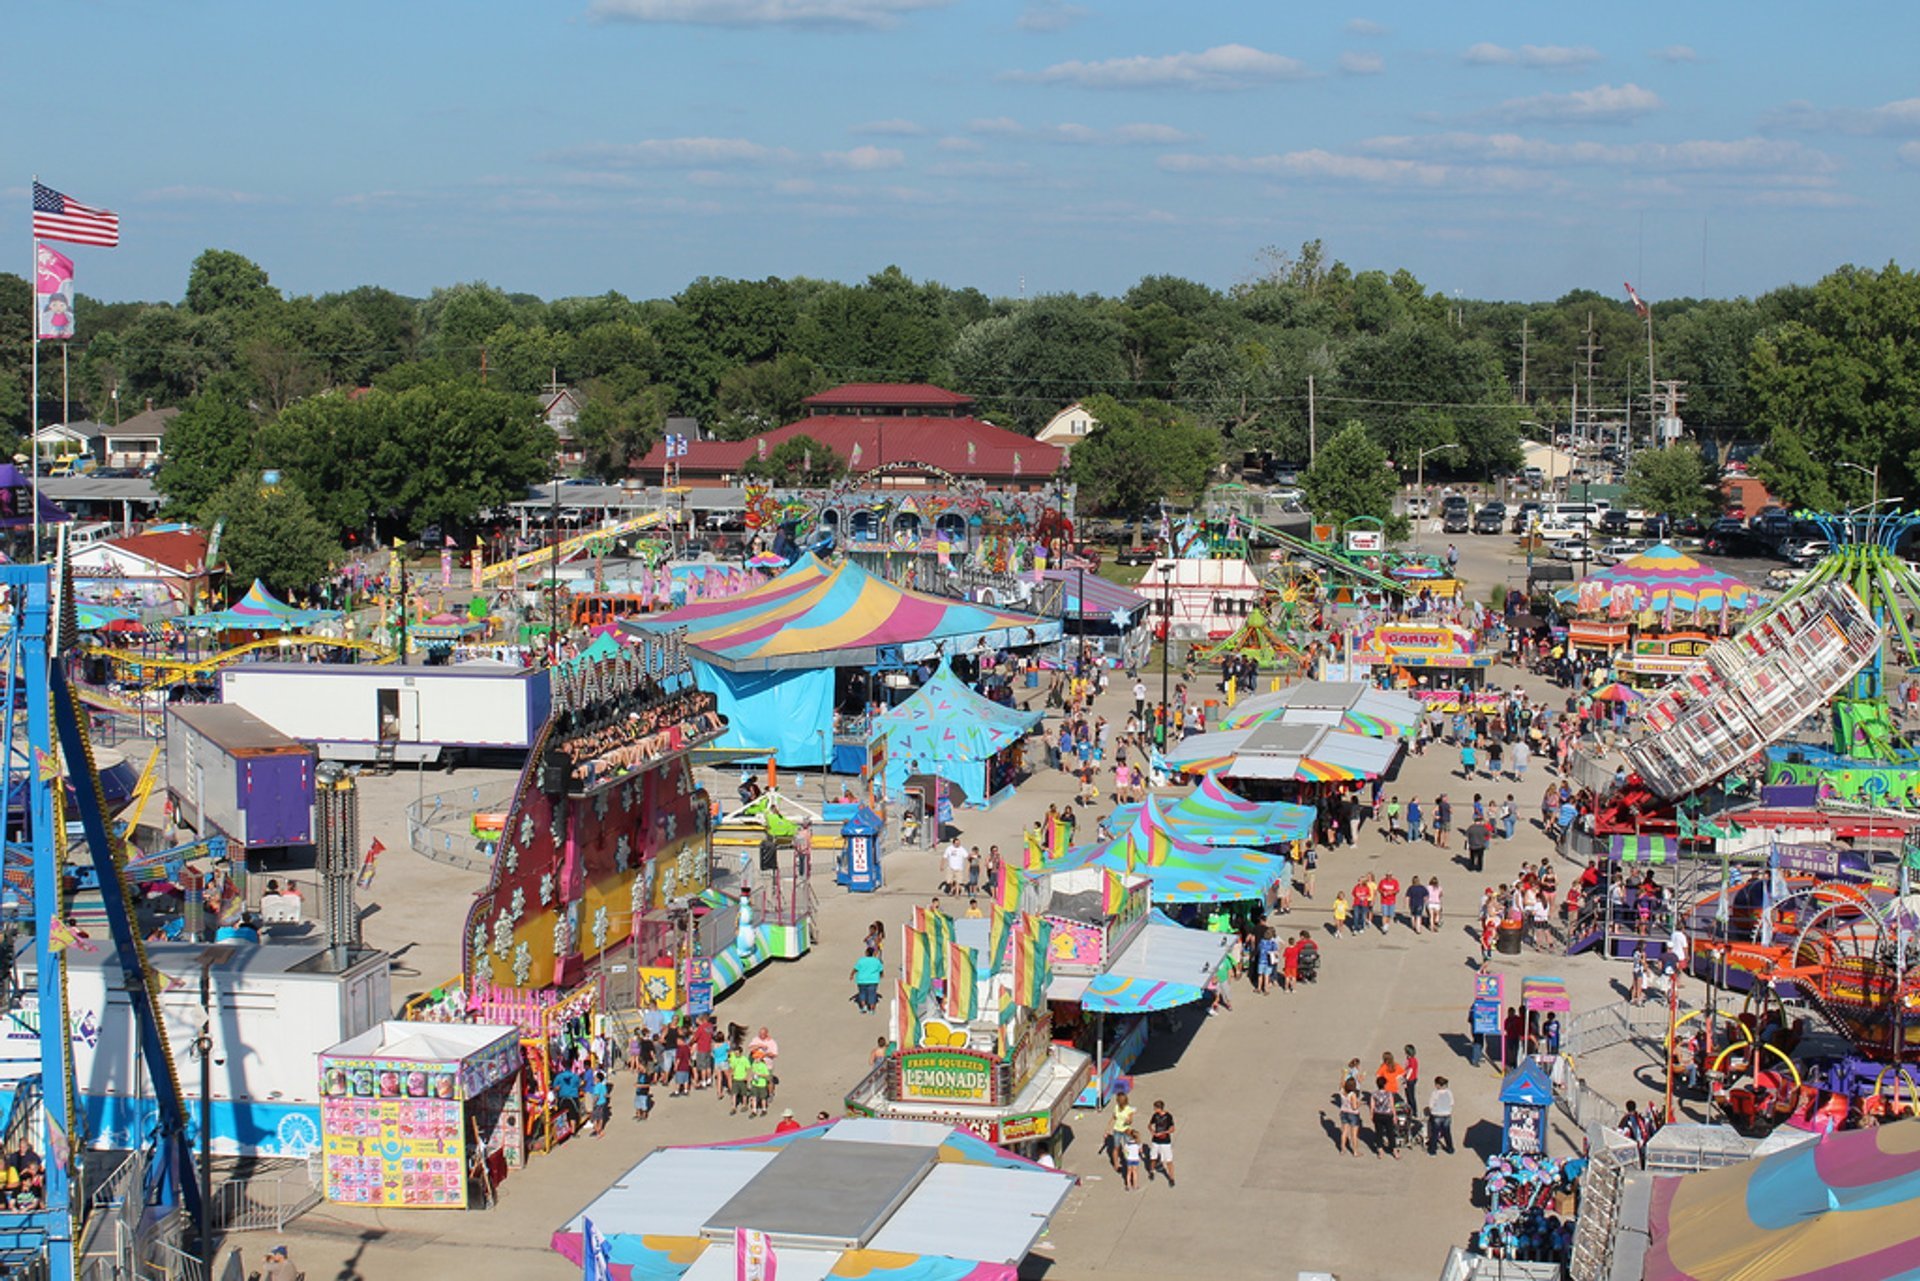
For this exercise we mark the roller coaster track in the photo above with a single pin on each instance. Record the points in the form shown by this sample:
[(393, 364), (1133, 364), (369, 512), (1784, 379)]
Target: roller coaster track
[(568, 547), (173, 671)]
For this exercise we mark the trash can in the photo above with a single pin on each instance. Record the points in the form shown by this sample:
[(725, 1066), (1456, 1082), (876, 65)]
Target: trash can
[(1474, 1053), (1507, 940), (1033, 680)]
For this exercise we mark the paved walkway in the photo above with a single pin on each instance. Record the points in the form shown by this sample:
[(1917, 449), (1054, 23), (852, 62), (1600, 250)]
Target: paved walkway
[(1263, 1191)]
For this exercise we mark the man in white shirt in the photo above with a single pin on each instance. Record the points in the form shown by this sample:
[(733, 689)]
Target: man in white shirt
[(1140, 699), (1440, 1117), (954, 873)]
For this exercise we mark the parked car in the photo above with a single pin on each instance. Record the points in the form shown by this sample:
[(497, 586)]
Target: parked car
[(1455, 516), (1613, 524), (1525, 515), (1575, 548), (1781, 579), (1419, 507), (1618, 550), (1805, 555), (1490, 519)]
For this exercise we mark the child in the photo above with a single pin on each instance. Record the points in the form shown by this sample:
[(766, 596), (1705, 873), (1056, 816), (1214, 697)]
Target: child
[(642, 1098), (1339, 913), (1130, 1150), (1487, 936)]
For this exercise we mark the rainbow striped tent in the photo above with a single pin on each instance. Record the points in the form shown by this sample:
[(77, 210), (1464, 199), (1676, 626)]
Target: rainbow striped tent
[(1181, 870), (768, 654), (1213, 815), (1355, 707), (813, 616), (258, 611)]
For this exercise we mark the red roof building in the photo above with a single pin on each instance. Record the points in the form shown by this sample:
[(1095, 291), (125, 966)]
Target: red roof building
[(884, 425)]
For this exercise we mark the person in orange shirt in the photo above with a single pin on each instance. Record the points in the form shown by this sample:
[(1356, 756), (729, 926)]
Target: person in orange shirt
[(1389, 1072)]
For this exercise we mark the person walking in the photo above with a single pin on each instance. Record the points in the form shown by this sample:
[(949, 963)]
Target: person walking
[(866, 976), (1440, 1118), (1362, 904), (1389, 901), (1160, 1132), (1416, 821), (1123, 1113), (1384, 1138), (1349, 1097), (1442, 820), (1477, 838), (1509, 817), (1131, 1153), (1433, 903), (1410, 1077), (1340, 913)]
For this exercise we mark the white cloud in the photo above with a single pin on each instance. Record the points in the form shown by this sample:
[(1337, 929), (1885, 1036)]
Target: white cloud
[(1227, 66), (1317, 164), (954, 142), (864, 159), (1909, 154), (1362, 64), (1050, 15), (1366, 27), (894, 128), (208, 196), (1141, 133), (1899, 119), (1603, 104), (672, 153), (1696, 156), (1675, 53), (980, 169), (1544, 57), (761, 13)]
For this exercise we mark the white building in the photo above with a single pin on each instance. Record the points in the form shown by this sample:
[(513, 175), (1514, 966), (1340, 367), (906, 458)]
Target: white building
[(1068, 427)]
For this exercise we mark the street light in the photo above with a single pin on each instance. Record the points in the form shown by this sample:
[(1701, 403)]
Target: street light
[(1420, 465), (1874, 472)]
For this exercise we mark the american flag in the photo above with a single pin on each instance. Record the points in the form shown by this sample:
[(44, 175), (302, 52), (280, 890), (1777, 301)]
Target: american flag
[(58, 217)]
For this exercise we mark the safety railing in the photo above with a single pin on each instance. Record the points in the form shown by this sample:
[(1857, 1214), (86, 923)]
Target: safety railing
[(439, 825), (264, 1201)]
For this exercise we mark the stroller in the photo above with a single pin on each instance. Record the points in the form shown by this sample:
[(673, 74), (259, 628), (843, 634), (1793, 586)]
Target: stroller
[(1407, 1127), (1308, 967)]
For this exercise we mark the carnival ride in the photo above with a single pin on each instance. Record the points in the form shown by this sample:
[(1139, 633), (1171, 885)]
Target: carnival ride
[(49, 752), (568, 549)]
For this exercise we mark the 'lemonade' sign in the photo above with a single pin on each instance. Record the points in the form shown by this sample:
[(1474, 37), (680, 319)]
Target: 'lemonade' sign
[(945, 1076)]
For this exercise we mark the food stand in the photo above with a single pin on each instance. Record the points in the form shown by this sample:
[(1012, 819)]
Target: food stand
[(1439, 652), (412, 1114)]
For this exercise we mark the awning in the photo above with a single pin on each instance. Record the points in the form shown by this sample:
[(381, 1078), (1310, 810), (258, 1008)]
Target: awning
[(1354, 706), (1302, 753), (1652, 850), (1542, 993), (1164, 966)]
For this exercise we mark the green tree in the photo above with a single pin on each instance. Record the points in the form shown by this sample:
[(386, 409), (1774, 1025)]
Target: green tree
[(1792, 476), (1350, 477), (887, 329), (208, 444), (221, 280), (798, 462), (271, 533), (1676, 481), (759, 397), (615, 434), (1026, 367), (1140, 455)]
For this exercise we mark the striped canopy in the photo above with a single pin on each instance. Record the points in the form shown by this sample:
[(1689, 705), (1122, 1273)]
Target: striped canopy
[(1287, 753), (813, 616), (258, 611), (1355, 707), (1641, 849), (1656, 577), (1846, 1205), (1212, 815), (1182, 870)]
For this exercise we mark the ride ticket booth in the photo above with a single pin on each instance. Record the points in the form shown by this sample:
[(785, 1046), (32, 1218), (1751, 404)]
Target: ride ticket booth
[(858, 866), (1525, 1096)]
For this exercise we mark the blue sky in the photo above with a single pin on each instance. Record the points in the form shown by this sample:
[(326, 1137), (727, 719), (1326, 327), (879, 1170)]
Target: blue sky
[(561, 148)]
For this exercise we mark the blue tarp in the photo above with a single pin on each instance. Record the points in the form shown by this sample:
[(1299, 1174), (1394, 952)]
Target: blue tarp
[(787, 712)]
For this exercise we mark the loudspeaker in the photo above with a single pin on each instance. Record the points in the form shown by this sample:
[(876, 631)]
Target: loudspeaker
[(555, 770)]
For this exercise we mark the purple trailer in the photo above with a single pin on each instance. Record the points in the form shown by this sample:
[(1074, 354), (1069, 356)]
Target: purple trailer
[(230, 772)]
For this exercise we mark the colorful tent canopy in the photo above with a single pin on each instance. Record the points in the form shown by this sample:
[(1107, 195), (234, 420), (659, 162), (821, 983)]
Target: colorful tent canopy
[(1300, 753), (1163, 966), (258, 611), (1102, 602), (1182, 870), (1655, 577), (1256, 638), (1212, 815), (1843, 1206), (945, 728), (1354, 706), (1539, 992), (1641, 849), (815, 617)]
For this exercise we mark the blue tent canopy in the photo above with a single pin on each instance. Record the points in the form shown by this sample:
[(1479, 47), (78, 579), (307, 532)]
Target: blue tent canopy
[(946, 729)]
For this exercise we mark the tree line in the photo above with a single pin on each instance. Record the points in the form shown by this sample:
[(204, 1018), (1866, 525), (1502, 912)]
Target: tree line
[(387, 412)]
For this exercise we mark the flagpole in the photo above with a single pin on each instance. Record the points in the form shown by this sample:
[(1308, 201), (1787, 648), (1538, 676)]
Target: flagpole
[(33, 411)]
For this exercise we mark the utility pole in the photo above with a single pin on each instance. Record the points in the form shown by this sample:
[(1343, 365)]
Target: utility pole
[(1523, 360), (1313, 444)]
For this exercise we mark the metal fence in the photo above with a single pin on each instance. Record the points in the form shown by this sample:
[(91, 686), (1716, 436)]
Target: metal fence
[(270, 1199), (1596, 1031), (114, 1211), (438, 824)]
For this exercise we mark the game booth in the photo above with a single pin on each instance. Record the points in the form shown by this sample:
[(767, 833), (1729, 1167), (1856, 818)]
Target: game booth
[(421, 1116)]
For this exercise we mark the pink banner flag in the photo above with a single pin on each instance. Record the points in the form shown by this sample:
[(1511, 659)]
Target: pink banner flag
[(753, 1256), (479, 564), (52, 294)]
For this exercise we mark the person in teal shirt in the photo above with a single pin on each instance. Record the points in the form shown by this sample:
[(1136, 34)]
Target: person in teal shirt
[(867, 973)]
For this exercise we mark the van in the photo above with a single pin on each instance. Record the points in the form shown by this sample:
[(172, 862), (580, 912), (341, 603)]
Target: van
[(1575, 513), (87, 535)]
